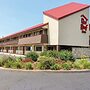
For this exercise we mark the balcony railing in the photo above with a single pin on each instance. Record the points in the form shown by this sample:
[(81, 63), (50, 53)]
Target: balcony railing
[(28, 40), (34, 39), (14, 42)]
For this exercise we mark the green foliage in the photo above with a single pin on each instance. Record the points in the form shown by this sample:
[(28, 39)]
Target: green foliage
[(43, 53), (17, 65), (6, 59), (45, 62), (8, 64), (32, 55), (67, 65), (19, 58), (53, 54), (82, 64), (28, 65), (66, 55), (1, 62), (56, 67), (49, 60), (63, 54)]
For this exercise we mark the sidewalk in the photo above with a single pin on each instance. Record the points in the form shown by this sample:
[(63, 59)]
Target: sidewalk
[(16, 55)]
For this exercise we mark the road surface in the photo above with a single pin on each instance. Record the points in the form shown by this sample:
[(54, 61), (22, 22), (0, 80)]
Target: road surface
[(17, 80)]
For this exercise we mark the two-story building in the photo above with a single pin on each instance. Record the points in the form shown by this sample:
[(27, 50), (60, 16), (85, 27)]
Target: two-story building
[(64, 27)]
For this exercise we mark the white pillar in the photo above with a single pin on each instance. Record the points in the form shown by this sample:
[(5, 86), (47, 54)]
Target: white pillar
[(32, 48), (42, 48), (57, 47), (10, 50)]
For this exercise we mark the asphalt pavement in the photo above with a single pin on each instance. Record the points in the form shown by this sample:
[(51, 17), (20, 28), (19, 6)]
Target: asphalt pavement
[(18, 80)]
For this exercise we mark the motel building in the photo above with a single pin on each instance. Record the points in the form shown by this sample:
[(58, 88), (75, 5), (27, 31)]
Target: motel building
[(64, 27)]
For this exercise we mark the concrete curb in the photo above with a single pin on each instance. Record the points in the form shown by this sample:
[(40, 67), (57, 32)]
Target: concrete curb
[(48, 71)]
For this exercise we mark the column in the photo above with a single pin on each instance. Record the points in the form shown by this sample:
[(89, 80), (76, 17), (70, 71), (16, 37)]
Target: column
[(42, 48), (10, 51), (43, 31), (18, 49), (32, 48), (57, 47)]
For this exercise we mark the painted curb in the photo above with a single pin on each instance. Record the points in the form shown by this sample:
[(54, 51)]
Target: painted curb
[(48, 71)]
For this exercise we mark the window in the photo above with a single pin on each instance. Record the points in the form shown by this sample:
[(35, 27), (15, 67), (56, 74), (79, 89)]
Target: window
[(39, 48), (23, 36), (29, 34), (45, 31), (28, 48), (41, 32)]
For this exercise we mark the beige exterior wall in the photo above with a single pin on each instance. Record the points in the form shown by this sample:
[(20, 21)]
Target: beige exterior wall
[(10, 51), (19, 51), (66, 31), (53, 30), (69, 30)]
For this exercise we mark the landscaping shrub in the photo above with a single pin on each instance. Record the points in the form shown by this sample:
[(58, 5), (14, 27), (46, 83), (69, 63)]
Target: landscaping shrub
[(17, 65), (32, 55), (6, 59), (43, 53), (53, 54), (8, 64), (82, 64), (63, 54), (28, 65), (67, 65), (19, 58), (45, 62), (56, 67), (59, 61), (1, 62), (66, 55)]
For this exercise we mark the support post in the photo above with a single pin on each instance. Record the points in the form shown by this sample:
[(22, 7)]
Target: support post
[(42, 48), (32, 48), (57, 47)]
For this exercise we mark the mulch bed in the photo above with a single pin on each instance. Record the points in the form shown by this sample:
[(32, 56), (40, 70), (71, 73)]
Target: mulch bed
[(27, 60)]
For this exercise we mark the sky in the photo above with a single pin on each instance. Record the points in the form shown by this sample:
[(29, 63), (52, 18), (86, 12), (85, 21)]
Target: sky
[(16, 15)]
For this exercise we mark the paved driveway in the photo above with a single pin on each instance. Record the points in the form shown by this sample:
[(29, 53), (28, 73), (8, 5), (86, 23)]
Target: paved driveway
[(14, 80)]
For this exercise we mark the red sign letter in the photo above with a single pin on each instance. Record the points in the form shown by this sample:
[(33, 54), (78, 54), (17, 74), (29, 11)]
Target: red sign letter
[(84, 24)]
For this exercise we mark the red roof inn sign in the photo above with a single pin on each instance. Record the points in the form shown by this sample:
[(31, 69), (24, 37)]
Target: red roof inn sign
[(84, 24)]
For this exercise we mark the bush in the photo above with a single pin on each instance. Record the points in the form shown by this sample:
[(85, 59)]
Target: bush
[(66, 55), (28, 65), (6, 59), (45, 62), (18, 58), (63, 54), (43, 53), (67, 65), (17, 65), (82, 64), (53, 54), (32, 55), (8, 64), (56, 67), (1, 62)]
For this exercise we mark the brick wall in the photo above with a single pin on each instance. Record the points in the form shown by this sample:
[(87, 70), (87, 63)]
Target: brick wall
[(79, 52)]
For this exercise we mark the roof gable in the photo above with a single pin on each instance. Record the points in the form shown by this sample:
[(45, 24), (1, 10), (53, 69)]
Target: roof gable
[(65, 10)]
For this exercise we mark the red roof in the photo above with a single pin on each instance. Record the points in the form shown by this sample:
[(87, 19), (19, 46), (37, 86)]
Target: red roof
[(26, 30), (65, 10)]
